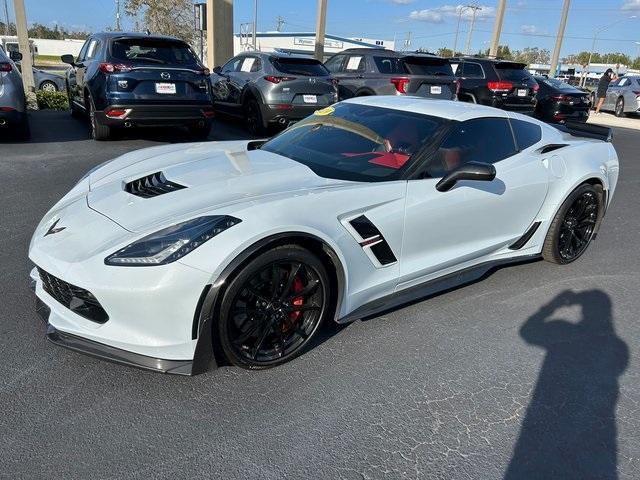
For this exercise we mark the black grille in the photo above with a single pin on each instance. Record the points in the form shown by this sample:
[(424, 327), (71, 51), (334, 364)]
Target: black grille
[(152, 186), (76, 299)]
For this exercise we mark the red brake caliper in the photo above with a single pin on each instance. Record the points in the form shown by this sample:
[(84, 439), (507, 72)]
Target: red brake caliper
[(297, 301)]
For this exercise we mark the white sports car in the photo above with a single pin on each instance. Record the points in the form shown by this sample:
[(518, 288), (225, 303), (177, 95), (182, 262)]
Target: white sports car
[(180, 257)]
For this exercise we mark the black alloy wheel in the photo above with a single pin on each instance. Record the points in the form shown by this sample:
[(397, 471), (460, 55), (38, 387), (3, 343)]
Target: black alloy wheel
[(273, 308), (253, 118), (97, 131), (574, 226)]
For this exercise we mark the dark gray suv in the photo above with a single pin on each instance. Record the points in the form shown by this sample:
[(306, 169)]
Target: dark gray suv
[(367, 71), (271, 88)]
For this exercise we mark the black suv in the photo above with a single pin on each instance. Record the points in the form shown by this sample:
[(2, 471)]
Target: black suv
[(497, 83), (373, 71), (125, 80)]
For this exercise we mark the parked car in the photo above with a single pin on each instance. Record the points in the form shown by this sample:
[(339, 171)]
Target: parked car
[(271, 88), (13, 104), (125, 80), (557, 101), (497, 83), (49, 82), (623, 96), (240, 250), (366, 71)]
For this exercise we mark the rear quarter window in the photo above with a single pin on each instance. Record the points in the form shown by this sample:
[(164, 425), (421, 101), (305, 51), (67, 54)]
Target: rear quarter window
[(388, 64), (526, 133), (472, 70), (308, 67)]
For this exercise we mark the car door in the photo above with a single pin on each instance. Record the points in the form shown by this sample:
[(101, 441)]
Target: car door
[(352, 77), (72, 76), (334, 65), (474, 219), (81, 67), (612, 94), (221, 86), (473, 80)]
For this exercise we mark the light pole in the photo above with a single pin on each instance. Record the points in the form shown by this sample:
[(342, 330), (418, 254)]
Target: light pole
[(593, 45), (255, 22), (455, 41), (475, 9)]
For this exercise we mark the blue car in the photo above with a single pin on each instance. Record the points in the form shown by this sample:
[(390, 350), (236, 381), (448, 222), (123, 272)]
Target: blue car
[(123, 80)]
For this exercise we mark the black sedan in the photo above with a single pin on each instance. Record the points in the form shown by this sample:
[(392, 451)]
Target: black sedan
[(558, 101)]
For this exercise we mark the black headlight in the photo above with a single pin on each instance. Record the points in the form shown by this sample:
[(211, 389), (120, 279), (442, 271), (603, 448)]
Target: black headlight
[(172, 243)]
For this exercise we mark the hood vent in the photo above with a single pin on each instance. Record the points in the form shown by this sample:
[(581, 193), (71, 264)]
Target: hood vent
[(152, 186)]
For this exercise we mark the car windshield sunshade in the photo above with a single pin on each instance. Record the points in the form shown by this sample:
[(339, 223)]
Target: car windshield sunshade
[(153, 51), (300, 66)]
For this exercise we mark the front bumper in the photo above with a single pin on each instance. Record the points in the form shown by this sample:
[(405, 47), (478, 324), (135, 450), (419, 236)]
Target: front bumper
[(156, 115), (73, 341)]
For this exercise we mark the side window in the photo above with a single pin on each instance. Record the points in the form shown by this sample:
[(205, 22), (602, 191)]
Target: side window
[(83, 51), (457, 71), (334, 64), (526, 133), (250, 64), (472, 70), (355, 63), (623, 81), (485, 140), (232, 65), (92, 49)]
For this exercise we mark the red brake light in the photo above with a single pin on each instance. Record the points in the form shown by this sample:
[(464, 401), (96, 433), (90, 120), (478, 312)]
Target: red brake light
[(208, 113), (5, 67), (7, 109), (536, 87), (560, 98), (499, 86), (400, 83), (114, 67), (116, 113), (275, 79)]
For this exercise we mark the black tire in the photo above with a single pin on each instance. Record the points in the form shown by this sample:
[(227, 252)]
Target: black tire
[(575, 225), (619, 111), (264, 323), (253, 118), (49, 86), (200, 132), (97, 131)]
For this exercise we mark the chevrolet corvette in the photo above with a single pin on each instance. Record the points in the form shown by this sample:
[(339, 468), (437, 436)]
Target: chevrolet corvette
[(178, 258)]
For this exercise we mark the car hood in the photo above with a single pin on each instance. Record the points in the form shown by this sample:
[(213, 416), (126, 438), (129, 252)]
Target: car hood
[(218, 177)]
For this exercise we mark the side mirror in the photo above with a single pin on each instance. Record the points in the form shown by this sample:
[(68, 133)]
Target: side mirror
[(469, 171), (217, 70), (68, 59), (15, 56)]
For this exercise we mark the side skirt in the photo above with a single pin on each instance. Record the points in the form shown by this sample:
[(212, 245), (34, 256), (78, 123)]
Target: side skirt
[(431, 287)]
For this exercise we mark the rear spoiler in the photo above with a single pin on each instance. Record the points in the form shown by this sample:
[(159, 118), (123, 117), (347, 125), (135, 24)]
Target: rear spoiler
[(586, 130)]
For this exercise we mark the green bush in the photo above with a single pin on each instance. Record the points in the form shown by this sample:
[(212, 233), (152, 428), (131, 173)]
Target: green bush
[(52, 100)]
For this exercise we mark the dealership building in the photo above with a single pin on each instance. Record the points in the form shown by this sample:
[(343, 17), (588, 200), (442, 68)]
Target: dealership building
[(303, 42)]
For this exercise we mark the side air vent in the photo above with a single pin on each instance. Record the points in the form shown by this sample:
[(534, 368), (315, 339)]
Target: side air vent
[(372, 239), (551, 147), (152, 186)]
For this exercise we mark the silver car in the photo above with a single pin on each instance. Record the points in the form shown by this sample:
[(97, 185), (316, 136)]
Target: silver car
[(271, 88), (623, 96), (13, 105)]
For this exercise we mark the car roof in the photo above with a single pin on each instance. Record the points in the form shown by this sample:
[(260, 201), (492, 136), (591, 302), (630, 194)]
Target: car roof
[(367, 51), (275, 54), (448, 109), (112, 35)]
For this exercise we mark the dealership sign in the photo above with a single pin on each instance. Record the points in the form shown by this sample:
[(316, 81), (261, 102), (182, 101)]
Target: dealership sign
[(311, 41)]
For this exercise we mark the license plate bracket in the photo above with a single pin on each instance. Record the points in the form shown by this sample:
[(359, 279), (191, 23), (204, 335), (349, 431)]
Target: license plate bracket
[(310, 98), (522, 92), (435, 90), (166, 88)]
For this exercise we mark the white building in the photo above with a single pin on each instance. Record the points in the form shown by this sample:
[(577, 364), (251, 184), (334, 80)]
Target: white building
[(593, 71), (44, 46), (302, 42)]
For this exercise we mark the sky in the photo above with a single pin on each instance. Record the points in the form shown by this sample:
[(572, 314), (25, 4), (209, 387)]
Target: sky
[(431, 23)]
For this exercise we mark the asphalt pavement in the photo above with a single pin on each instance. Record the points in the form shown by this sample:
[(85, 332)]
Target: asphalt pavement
[(529, 373)]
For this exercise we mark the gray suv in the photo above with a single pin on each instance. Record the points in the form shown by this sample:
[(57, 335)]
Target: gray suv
[(271, 88), (13, 106), (367, 71), (623, 96)]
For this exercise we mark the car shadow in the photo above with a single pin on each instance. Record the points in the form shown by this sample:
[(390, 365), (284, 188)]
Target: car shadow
[(569, 430)]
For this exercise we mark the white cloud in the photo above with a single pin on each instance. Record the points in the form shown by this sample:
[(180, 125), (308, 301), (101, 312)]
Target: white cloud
[(631, 5), (439, 14), (402, 2), (528, 29)]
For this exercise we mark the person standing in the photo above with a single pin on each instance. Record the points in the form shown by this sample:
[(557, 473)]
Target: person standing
[(603, 84)]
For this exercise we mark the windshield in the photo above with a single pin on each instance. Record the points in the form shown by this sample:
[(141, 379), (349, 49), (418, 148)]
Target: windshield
[(156, 51), (300, 66), (357, 142), (557, 84)]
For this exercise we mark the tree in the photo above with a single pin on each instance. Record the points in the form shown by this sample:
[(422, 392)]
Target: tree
[(445, 52), (166, 17)]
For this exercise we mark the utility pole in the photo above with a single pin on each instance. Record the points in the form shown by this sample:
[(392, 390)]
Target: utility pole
[(407, 42), (556, 50), (279, 23), (24, 46), (461, 9), (497, 29), (118, 27), (255, 23), (7, 30), (475, 9), (219, 32), (321, 24)]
